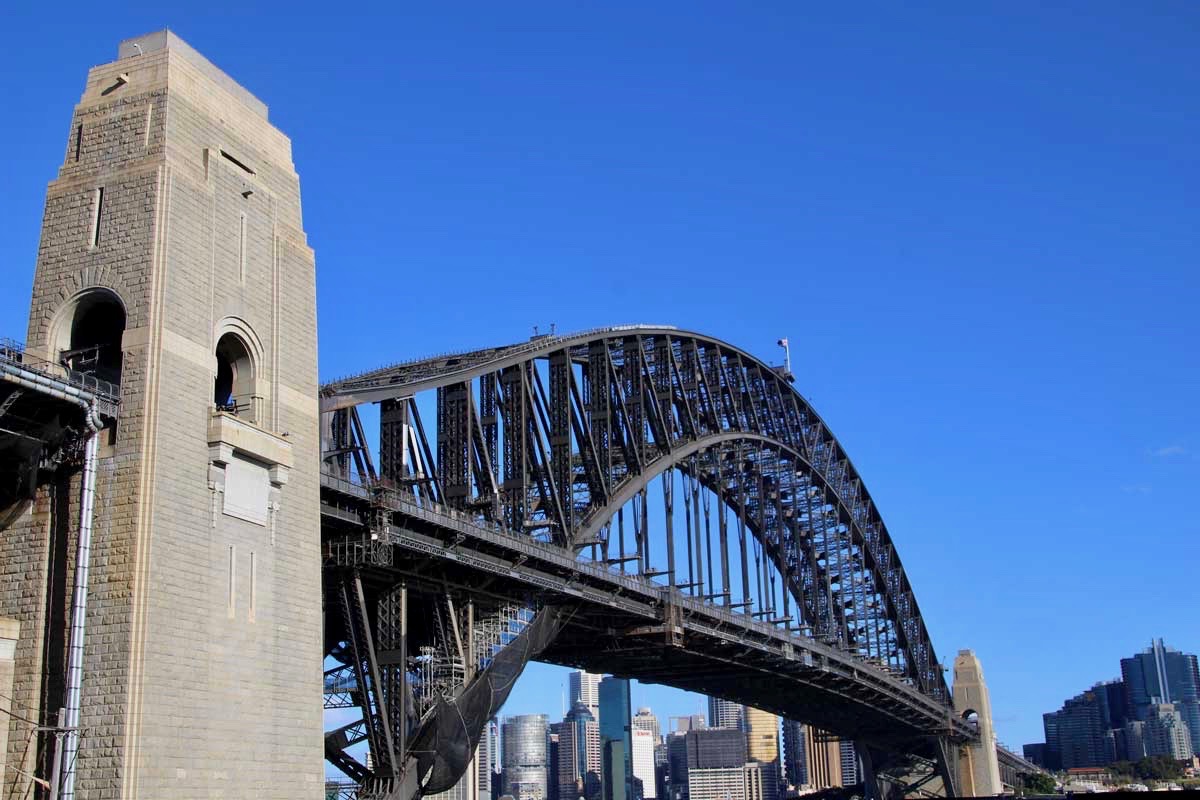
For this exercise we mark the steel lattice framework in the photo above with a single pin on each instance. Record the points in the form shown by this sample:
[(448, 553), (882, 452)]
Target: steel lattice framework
[(536, 485)]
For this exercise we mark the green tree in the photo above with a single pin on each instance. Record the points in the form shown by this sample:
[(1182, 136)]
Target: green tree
[(1158, 768), (1039, 783)]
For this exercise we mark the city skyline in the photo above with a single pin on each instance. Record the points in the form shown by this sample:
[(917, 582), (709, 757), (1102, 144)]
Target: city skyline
[(668, 702), (1153, 709), (955, 403)]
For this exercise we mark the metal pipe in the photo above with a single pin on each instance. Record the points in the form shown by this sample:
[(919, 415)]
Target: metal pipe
[(79, 616), (70, 719), (56, 389)]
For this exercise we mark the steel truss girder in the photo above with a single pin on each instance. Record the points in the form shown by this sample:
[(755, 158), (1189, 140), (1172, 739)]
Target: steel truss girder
[(650, 390), (366, 663)]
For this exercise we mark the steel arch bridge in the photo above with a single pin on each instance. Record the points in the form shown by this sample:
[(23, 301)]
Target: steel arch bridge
[(640, 500)]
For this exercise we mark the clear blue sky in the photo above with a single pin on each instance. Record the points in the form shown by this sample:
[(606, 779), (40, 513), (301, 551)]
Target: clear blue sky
[(976, 223)]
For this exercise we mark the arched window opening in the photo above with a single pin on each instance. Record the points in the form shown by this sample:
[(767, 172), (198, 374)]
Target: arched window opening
[(971, 717), (233, 389), (93, 346)]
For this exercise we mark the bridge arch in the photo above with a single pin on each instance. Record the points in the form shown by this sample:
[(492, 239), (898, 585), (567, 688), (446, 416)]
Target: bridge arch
[(552, 438), (683, 389)]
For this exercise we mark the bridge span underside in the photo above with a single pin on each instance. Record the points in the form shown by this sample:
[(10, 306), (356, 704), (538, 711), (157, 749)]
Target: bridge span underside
[(640, 500)]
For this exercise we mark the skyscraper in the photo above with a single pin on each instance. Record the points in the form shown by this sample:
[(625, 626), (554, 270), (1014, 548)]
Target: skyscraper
[(1160, 675), (1131, 740), (1079, 730), (485, 758), (761, 780), (579, 755), (849, 762), (643, 743), (585, 688), (525, 758), (822, 758), (616, 742), (1053, 748), (677, 765), (646, 720), (724, 714), (708, 764), (1166, 734), (689, 723), (1113, 702), (552, 747), (793, 753), (762, 735)]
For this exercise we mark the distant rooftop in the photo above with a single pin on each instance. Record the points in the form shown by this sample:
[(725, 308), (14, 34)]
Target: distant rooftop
[(167, 40)]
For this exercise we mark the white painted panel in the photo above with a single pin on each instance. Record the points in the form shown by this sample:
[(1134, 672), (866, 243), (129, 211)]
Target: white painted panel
[(247, 490)]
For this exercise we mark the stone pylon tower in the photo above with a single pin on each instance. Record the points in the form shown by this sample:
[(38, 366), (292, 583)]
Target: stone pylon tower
[(978, 766), (173, 260)]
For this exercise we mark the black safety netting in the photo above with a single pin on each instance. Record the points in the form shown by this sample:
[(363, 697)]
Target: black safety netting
[(446, 740)]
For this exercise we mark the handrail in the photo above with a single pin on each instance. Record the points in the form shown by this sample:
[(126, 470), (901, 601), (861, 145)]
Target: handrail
[(12, 352)]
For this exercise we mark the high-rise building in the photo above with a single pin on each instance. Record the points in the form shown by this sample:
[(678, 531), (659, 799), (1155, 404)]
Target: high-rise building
[(822, 758), (1131, 740), (762, 735), (714, 748), (1079, 730), (761, 780), (849, 762), (715, 758), (724, 714), (1166, 734), (793, 753), (1053, 750), (616, 742), (643, 746), (689, 723), (647, 721), (662, 783), (1111, 697), (713, 754), (552, 749), (1161, 674), (579, 768), (585, 688), (717, 783), (677, 765), (485, 758), (524, 743)]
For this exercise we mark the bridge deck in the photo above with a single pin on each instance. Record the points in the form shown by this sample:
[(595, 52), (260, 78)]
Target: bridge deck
[(630, 614)]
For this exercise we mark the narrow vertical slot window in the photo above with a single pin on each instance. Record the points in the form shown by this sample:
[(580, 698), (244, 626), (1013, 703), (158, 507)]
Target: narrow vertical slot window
[(253, 585), (242, 249), (146, 135), (97, 206), (78, 140), (232, 581)]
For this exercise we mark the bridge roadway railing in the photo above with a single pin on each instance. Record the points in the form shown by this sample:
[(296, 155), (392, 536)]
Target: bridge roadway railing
[(765, 636), (16, 362)]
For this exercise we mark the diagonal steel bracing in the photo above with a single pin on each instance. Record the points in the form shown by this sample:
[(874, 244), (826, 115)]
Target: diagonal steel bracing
[(557, 441)]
